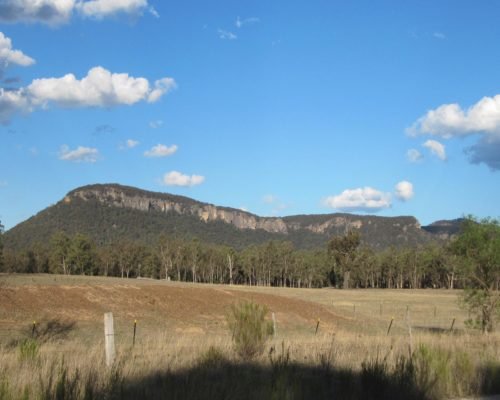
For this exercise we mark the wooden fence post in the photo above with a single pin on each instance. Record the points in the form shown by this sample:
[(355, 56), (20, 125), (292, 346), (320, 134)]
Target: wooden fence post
[(390, 326), (109, 338), (135, 327), (452, 324)]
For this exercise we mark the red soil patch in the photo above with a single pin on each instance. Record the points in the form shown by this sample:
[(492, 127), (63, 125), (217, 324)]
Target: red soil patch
[(191, 308)]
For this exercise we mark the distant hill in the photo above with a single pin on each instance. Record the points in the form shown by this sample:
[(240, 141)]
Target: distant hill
[(109, 212), (445, 228)]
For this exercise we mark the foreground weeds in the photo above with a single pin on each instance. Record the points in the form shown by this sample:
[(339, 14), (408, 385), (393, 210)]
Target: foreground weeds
[(341, 367)]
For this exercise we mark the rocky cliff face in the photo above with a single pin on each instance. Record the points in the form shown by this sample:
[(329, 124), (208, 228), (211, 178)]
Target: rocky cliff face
[(122, 196)]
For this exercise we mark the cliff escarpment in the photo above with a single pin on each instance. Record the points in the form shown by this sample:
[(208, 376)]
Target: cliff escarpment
[(109, 212)]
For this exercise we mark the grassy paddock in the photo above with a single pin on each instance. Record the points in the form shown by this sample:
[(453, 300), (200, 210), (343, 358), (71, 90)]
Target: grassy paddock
[(187, 356)]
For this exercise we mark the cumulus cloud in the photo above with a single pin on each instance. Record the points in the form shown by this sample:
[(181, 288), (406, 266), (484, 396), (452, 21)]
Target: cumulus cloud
[(414, 155), (485, 151), (104, 8), (80, 154), (55, 12), (436, 148), (175, 178), (360, 199), (11, 102), (161, 87), (481, 119), (100, 88), (226, 35), (10, 56), (404, 191), (50, 12), (160, 150), (450, 120)]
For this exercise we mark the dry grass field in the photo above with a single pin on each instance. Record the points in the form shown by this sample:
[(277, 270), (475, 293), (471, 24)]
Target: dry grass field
[(179, 324)]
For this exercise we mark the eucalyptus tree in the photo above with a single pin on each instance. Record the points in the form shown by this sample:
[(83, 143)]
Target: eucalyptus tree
[(342, 250), (478, 246)]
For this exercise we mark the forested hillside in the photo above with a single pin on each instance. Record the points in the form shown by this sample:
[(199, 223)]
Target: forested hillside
[(107, 213)]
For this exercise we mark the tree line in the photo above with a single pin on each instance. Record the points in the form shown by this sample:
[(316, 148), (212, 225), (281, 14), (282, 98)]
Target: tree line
[(471, 261), (344, 262)]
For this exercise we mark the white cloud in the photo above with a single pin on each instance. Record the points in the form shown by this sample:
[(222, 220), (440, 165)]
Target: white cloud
[(436, 148), (246, 21), (156, 124), (103, 8), (131, 143), (160, 150), (175, 178), (360, 199), (55, 12), (414, 155), (451, 120), (404, 191), (11, 102), (161, 87), (50, 12), (80, 154), (100, 88), (439, 35), (3, 184), (226, 35), (10, 56)]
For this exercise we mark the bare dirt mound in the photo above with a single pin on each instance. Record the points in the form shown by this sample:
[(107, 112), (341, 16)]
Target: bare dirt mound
[(190, 308)]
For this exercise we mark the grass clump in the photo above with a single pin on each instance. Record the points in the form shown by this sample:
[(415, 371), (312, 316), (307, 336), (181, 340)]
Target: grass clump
[(250, 329), (28, 350)]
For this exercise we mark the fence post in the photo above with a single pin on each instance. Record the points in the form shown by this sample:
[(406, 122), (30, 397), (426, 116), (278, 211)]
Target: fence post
[(317, 327), (390, 326), (109, 338), (135, 327), (452, 324)]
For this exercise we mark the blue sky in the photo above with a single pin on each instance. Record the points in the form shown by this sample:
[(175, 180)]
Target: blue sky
[(277, 107)]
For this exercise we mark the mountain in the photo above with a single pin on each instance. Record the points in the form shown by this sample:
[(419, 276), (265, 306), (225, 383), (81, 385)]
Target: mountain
[(108, 212), (445, 229)]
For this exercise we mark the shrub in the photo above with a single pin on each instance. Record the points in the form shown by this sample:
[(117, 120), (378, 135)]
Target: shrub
[(250, 330)]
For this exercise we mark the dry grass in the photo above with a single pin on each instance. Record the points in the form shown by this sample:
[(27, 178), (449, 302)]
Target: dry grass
[(179, 323)]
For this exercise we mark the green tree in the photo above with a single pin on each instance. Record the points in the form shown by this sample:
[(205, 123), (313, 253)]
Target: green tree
[(478, 246), (59, 248), (81, 255), (342, 249)]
